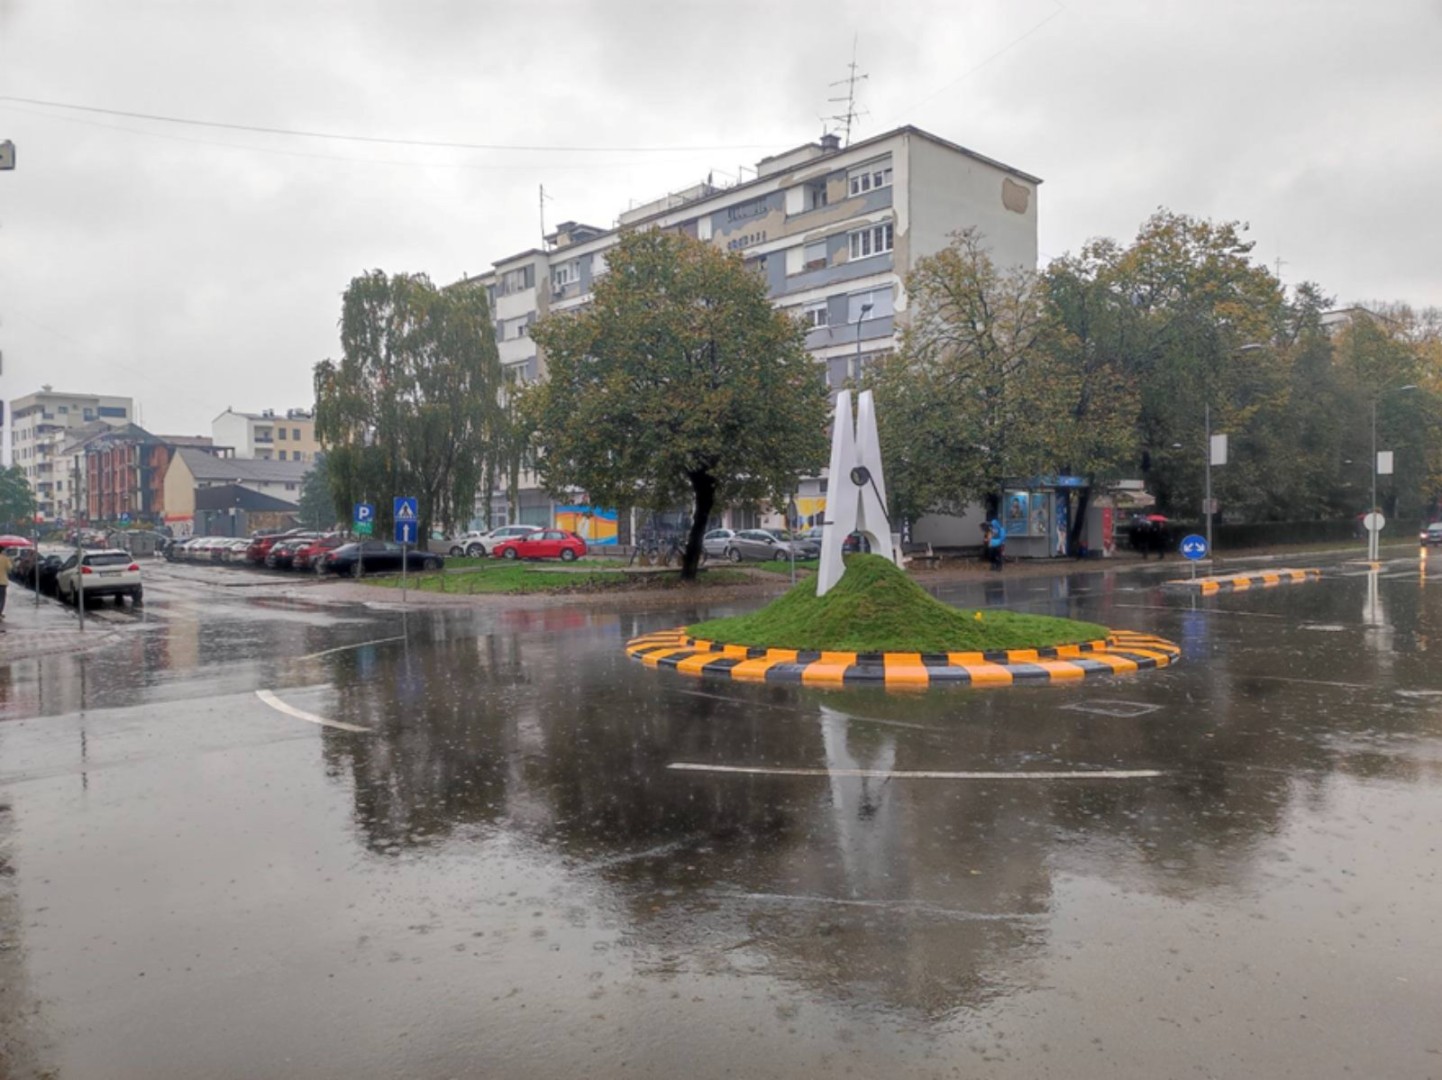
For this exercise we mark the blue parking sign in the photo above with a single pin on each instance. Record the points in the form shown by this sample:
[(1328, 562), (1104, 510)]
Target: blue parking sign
[(364, 512)]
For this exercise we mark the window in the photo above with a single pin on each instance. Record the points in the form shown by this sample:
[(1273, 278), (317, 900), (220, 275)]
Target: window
[(869, 177), (818, 196), (878, 303), (295, 434), (814, 315), (280, 434), (518, 280), (873, 241), (813, 256), (282, 453), (565, 274)]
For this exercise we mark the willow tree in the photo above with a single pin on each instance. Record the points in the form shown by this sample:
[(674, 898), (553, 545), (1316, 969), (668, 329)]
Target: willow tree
[(412, 407), (679, 382)]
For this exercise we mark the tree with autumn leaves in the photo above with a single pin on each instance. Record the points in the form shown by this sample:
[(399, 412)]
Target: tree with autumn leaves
[(1104, 365), (679, 382)]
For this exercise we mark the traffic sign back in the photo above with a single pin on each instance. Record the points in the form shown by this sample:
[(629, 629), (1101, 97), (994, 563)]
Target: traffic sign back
[(1194, 547)]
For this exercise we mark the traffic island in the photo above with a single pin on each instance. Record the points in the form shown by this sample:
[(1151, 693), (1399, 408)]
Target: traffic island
[(878, 626), (1242, 582)]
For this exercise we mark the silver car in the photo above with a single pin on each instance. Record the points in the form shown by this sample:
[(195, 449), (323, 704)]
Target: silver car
[(715, 541), (767, 545)]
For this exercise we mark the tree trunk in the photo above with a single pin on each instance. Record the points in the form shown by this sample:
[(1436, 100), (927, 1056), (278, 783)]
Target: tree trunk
[(704, 487), (1078, 520)]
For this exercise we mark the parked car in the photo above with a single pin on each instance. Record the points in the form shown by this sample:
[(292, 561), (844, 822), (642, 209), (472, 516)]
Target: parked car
[(374, 557), (713, 544), (1432, 534), (478, 544), (102, 572), (281, 555), (542, 544), (235, 551), (261, 543), (307, 554), (767, 545)]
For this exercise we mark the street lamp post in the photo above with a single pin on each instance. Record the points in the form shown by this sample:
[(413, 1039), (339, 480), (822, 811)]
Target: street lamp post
[(1374, 535), (856, 374)]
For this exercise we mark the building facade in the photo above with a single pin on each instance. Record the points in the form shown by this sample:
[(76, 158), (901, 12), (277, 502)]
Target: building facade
[(192, 470), (42, 425), (835, 231), (267, 435)]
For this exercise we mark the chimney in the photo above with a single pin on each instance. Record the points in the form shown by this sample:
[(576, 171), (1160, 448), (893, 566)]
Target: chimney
[(830, 143)]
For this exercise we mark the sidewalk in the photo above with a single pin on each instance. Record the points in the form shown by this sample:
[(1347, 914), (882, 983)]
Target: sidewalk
[(28, 631)]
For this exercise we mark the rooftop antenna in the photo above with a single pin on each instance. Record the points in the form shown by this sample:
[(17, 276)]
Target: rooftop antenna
[(849, 117), (543, 199)]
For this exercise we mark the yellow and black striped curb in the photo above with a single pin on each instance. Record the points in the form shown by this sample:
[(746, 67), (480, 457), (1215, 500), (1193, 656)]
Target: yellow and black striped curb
[(1122, 651), (1241, 582)]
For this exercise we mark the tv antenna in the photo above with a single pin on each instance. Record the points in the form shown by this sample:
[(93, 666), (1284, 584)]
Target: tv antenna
[(850, 116)]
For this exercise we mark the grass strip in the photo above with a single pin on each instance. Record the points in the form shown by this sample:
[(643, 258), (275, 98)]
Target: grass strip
[(875, 607), (502, 578)]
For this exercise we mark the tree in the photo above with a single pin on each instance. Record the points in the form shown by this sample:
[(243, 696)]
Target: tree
[(17, 501), (981, 389), (413, 406), (318, 508), (679, 382)]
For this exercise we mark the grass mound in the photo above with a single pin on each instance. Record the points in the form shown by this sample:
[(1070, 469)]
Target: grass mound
[(875, 607)]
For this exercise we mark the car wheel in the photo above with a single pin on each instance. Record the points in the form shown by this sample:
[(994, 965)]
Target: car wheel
[(137, 594), (355, 570), (733, 554), (512, 554), (431, 564), (455, 551), (567, 555), (782, 556), (475, 551)]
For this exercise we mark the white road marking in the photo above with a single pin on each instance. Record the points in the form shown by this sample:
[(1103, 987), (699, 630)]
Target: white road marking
[(927, 774), (300, 714), (345, 648)]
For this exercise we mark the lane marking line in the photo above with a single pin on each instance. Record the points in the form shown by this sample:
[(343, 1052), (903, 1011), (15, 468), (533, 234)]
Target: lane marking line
[(346, 648), (310, 718), (901, 774)]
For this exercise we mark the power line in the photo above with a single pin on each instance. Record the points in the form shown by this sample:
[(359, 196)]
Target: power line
[(300, 133)]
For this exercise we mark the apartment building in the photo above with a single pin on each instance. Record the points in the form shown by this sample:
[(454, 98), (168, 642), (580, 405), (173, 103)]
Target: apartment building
[(42, 425), (267, 435), (835, 230)]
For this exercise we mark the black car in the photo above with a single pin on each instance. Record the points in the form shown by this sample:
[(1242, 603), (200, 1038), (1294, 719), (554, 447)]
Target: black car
[(375, 557)]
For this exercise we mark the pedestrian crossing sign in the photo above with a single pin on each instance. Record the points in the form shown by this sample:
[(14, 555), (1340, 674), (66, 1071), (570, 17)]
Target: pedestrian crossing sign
[(406, 509)]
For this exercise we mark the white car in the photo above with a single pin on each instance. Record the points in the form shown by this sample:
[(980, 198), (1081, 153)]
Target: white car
[(477, 545), (104, 572)]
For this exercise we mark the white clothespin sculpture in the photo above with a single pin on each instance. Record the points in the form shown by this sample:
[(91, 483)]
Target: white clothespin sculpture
[(856, 489)]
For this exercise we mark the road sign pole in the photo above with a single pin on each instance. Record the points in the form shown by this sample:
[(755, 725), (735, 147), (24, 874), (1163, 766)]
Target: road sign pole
[(405, 559)]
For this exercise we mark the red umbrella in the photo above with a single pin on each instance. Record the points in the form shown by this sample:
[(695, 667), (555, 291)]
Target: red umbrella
[(1162, 518), (14, 541)]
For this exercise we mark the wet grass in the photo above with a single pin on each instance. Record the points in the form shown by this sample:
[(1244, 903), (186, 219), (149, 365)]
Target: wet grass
[(496, 577), (785, 567), (877, 608)]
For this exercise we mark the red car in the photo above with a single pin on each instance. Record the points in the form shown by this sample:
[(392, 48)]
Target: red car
[(306, 557), (547, 544)]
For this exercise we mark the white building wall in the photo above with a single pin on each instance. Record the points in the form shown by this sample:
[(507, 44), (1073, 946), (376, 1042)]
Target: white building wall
[(233, 429), (947, 191)]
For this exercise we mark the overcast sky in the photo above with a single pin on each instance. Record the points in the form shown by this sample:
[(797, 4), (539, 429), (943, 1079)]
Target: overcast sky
[(196, 268)]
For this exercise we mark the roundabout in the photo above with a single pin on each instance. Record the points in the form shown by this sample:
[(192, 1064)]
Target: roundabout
[(1120, 652)]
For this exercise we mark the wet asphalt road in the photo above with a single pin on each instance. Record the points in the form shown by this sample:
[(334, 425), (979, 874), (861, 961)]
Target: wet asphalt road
[(499, 875)]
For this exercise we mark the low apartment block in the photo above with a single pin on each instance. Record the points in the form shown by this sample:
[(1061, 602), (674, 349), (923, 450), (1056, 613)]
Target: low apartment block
[(267, 435), (835, 231), (42, 425)]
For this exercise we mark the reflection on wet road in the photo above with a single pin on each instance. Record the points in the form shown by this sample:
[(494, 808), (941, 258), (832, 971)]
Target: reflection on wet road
[(1224, 868)]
